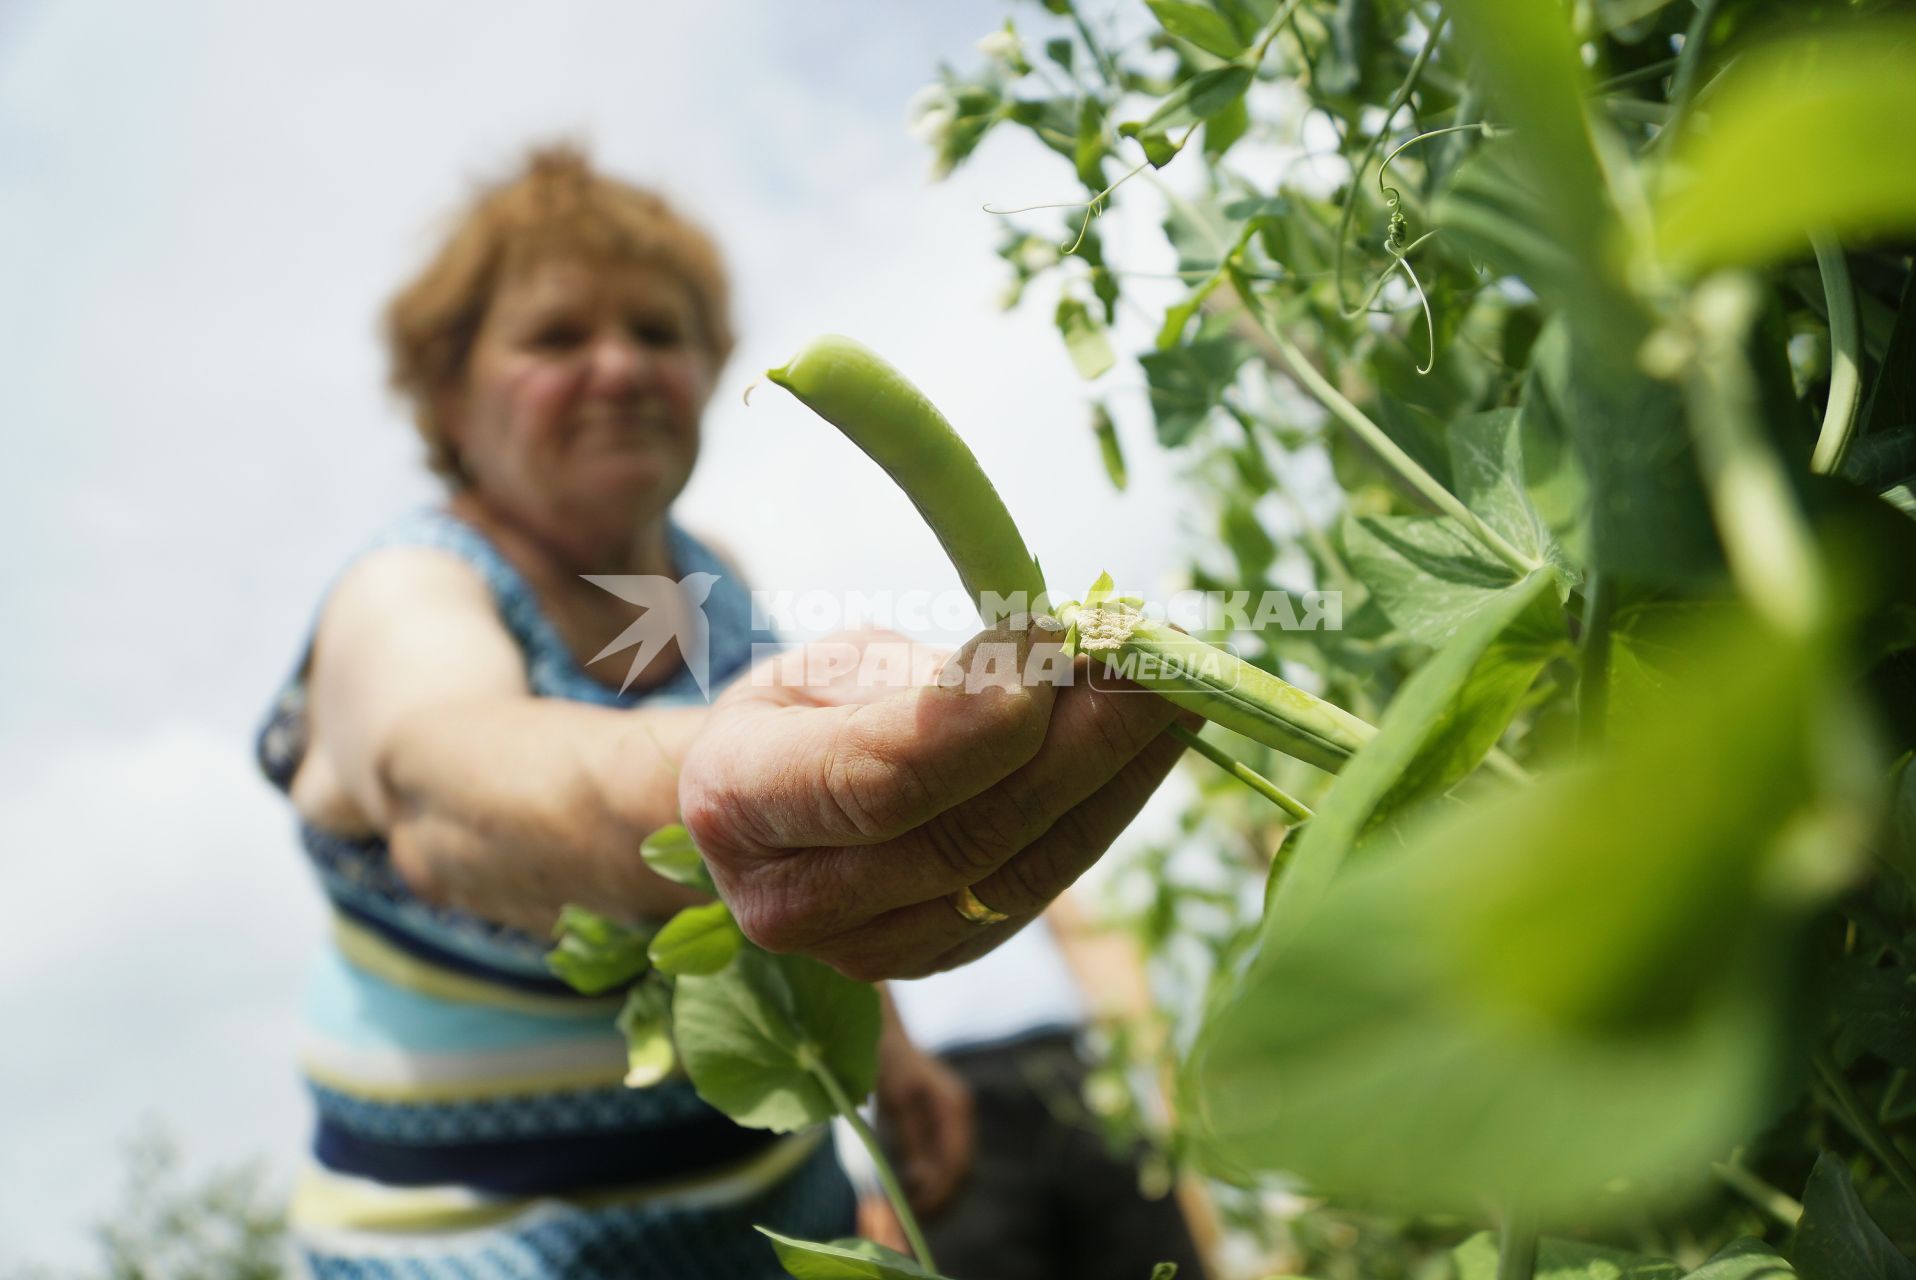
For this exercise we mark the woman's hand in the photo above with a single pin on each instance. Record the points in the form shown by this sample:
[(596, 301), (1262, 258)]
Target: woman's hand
[(840, 813), (925, 1115)]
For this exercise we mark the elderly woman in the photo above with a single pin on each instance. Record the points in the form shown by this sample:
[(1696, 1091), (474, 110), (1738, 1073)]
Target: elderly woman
[(461, 770)]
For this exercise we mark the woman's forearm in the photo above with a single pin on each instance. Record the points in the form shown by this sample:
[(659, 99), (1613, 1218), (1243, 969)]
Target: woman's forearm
[(512, 807)]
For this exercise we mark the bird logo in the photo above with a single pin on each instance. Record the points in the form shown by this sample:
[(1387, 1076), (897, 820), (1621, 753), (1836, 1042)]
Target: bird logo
[(674, 610)]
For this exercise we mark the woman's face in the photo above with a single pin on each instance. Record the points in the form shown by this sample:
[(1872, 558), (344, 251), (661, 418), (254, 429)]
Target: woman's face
[(581, 401)]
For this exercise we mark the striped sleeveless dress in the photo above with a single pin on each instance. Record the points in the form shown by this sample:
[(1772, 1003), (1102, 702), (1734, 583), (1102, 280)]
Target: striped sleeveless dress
[(472, 1122)]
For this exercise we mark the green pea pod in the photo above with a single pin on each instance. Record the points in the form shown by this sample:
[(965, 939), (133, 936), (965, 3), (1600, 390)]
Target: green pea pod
[(1220, 686), (893, 422), (898, 428)]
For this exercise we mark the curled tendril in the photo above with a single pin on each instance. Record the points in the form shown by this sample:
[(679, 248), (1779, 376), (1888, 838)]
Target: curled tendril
[(1095, 205), (1399, 246)]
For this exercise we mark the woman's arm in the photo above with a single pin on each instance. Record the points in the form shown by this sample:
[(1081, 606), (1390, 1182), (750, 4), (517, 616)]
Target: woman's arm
[(423, 729)]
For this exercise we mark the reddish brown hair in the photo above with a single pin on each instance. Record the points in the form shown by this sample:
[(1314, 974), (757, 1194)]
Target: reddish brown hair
[(556, 206)]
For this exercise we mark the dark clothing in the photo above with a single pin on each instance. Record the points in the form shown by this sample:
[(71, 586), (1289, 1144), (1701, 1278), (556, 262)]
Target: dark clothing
[(1046, 1199)]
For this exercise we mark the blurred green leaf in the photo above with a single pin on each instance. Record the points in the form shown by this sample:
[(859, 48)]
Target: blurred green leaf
[(1187, 382), (1876, 1006), (1202, 26), (1649, 518), (1203, 95), (646, 1023), (595, 953), (1487, 467), (1527, 59), (1571, 997), (850, 1259), (1109, 447), (1084, 338), (1801, 135), (701, 939), (1745, 1259), (1425, 573), (1437, 729), (1837, 1239), (1090, 148), (1476, 1259), (1224, 128), (752, 1034), (671, 852), (1892, 398)]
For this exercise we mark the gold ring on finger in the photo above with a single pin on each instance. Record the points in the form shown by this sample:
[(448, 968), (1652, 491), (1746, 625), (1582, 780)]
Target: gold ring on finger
[(966, 904)]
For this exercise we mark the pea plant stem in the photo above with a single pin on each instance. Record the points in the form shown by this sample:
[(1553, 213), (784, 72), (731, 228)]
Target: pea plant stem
[(1517, 1247), (1765, 538), (1846, 379), (1387, 450), (887, 1176), (1593, 680), (1785, 1208), (1218, 685), (1398, 99), (1242, 772)]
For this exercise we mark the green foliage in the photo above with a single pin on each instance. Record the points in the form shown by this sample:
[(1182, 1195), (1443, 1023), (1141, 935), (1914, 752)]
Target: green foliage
[(756, 1035), (698, 940), (597, 954), (1789, 141), (229, 1223), (1476, 1259), (1837, 1240), (670, 852), (1575, 923), (843, 1260)]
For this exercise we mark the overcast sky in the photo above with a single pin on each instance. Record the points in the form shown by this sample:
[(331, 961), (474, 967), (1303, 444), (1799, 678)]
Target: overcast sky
[(202, 206)]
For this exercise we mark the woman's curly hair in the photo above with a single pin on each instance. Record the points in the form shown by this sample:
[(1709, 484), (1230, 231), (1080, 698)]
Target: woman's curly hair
[(555, 206)]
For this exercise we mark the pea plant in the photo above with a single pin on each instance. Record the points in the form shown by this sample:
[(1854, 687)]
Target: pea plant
[(1581, 856), (1597, 317)]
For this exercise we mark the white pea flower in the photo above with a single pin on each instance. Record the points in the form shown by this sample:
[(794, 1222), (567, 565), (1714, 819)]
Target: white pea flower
[(1000, 44), (930, 115)]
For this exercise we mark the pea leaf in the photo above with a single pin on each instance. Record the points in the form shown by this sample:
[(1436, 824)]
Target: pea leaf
[(1223, 129), (1649, 517), (1109, 447), (1527, 58), (1569, 997), (1204, 27), (701, 939), (753, 1036), (1837, 1239), (1476, 1259), (1089, 149), (1187, 382), (1084, 338), (1425, 573), (1487, 466), (850, 1259), (646, 1022), (1790, 140), (596, 953), (1202, 96), (1744, 1259), (1438, 727), (671, 852), (1892, 399)]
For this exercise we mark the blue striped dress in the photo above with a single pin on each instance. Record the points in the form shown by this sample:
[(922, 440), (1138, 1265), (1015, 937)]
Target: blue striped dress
[(471, 1120)]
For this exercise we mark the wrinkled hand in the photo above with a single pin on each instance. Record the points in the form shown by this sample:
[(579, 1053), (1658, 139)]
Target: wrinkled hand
[(925, 1113), (838, 813)]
